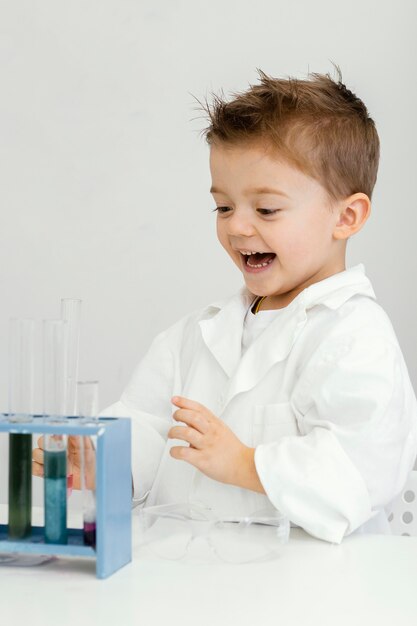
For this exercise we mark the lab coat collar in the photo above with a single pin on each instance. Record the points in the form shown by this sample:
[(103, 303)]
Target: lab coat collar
[(222, 329)]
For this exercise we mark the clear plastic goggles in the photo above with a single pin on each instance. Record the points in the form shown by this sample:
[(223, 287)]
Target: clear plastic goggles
[(169, 530)]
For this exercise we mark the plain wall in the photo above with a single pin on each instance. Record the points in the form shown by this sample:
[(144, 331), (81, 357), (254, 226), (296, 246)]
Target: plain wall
[(104, 179)]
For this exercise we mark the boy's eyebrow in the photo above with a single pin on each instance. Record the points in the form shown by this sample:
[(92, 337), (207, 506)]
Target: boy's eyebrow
[(258, 190)]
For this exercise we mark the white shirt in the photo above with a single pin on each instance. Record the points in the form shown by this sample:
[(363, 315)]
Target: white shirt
[(322, 393), (255, 323)]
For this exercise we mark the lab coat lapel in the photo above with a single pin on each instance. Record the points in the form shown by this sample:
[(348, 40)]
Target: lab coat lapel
[(272, 345), (222, 333)]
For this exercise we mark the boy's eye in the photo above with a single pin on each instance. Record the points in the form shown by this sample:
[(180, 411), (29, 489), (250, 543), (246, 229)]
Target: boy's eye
[(268, 211), (224, 209)]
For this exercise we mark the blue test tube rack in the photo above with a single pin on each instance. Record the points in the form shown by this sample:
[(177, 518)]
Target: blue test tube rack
[(113, 493)]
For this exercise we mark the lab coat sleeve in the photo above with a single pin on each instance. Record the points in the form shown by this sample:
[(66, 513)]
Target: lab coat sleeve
[(357, 414), (147, 401)]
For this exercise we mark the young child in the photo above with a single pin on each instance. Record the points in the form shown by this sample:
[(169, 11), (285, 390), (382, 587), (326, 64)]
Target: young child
[(293, 393)]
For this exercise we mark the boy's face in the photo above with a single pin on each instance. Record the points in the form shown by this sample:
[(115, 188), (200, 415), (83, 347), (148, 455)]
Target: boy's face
[(254, 216)]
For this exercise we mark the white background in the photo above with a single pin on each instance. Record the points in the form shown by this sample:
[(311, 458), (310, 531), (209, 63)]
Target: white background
[(104, 179)]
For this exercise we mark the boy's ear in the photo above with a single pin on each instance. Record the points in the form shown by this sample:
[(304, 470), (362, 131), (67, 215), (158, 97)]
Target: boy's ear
[(353, 213)]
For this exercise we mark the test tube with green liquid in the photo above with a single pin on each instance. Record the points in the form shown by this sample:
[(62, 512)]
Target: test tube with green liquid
[(55, 346), (21, 394)]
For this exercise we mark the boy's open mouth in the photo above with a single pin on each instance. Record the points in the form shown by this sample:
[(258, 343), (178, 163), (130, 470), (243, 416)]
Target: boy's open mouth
[(260, 259)]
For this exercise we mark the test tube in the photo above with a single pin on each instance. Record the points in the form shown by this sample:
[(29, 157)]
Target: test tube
[(87, 398), (71, 313), (55, 493), (87, 394), (21, 393), (55, 348)]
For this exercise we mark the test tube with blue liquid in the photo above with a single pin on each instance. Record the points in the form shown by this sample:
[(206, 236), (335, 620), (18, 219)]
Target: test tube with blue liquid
[(87, 400), (55, 468), (55, 347)]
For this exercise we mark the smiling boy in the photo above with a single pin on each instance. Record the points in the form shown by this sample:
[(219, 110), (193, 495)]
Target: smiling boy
[(293, 394), (282, 212)]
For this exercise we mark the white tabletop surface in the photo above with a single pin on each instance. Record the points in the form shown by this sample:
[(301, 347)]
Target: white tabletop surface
[(367, 579)]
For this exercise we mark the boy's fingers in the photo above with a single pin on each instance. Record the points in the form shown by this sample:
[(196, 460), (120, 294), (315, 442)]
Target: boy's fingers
[(37, 455), (88, 444), (37, 470), (74, 443), (192, 405), (190, 435), (196, 420), (186, 403), (40, 442)]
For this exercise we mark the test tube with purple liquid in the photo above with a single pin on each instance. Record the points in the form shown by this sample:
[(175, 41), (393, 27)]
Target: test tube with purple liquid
[(87, 400)]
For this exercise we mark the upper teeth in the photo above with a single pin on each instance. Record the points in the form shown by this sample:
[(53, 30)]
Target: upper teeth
[(246, 252)]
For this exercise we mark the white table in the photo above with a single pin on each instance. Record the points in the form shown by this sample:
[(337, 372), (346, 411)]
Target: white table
[(368, 579)]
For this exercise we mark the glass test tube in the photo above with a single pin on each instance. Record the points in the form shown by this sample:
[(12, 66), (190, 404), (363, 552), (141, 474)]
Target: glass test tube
[(71, 313), (21, 393), (55, 334), (55, 347), (55, 494), (87, 394)]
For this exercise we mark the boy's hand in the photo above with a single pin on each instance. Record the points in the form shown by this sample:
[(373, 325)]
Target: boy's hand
[(73, 461), (214, 449)]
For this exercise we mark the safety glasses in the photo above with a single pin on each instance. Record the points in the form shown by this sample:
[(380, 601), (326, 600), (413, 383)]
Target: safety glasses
[(169, 531)]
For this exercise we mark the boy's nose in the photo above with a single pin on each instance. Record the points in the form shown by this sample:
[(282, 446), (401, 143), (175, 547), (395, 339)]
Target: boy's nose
[(240, 224)]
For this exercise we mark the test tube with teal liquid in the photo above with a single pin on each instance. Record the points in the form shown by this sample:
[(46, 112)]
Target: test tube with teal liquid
[(55, 494), (21, 393), (55, 346)]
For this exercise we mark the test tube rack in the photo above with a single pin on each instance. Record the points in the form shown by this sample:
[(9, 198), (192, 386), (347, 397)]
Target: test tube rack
[(113, 493)]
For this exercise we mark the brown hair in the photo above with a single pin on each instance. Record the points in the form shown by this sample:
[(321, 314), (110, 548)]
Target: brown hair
[(317, 125)]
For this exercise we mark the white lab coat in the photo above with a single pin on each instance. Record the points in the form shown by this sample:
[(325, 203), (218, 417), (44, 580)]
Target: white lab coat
[(323, 394)]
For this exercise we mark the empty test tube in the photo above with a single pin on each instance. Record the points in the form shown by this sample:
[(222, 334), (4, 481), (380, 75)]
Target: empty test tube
[(87, 399), (21, 392), (71, 313), (55, 348)]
